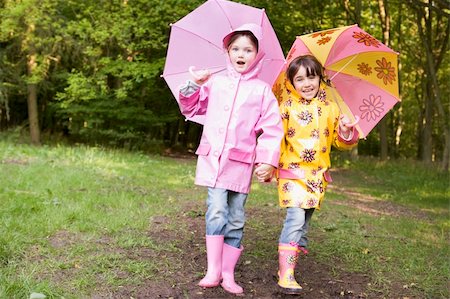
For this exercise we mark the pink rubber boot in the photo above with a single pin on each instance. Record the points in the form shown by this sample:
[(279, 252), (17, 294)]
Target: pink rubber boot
[(214, 246), (229, 260)]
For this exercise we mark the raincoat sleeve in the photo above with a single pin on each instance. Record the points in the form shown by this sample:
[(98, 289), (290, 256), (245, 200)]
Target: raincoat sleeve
[(339, 141), (193, 99), (270, 128)]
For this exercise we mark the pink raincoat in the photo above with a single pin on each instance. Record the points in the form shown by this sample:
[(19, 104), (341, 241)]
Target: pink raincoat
[(242, 126)]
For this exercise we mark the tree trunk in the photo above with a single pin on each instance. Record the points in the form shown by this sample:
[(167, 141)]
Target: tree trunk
[(33, 115), (398, 116), (427, 140), (355, 15), (383, 139), (433, 60)]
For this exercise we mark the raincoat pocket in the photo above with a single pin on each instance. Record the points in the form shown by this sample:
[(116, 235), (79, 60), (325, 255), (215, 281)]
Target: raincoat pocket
[(327, 176), (241, 156), (203, 149)]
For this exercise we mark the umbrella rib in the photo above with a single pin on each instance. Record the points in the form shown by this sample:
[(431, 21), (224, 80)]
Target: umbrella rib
[(343, 67), (226, 16), (220, 68), (335, 99), (333, 94), (262, 17), (199, 36)]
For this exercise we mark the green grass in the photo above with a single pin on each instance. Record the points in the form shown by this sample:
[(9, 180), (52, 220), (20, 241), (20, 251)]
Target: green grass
[(408, 246), (74, 221), (88, 194), (403, 181)]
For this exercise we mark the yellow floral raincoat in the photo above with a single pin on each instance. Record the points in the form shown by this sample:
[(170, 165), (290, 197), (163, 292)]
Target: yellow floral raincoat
[(310, 128)]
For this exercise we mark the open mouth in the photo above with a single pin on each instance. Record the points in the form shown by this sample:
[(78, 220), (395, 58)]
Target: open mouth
[(240, 62)]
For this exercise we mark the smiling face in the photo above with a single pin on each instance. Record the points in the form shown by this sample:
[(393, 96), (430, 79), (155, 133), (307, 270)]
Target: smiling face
[(305, 73), (242, 52), (306, 86)]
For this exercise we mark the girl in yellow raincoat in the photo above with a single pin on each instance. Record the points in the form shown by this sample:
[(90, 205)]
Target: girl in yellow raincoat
[(312, 123)]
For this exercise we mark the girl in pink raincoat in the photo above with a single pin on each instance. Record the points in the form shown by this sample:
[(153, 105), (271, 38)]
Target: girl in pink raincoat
[(312, 124), (242, 128)]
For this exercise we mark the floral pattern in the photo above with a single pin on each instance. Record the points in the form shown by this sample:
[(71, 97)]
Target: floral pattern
[(352, 53), (311, 202), (293, 165), (371, 108), (364, 69), (324, 40), (304, 118), (315, 186), (291, 259), (308, 155), (366, 39), (291, 53), (323, 33), (322, 95), (285, 115), (310, 132), (277, 90), (385, 71), (290, 132), (287, 187)]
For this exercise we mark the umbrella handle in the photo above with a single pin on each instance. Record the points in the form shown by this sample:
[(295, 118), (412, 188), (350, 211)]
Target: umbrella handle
[(350, 125)]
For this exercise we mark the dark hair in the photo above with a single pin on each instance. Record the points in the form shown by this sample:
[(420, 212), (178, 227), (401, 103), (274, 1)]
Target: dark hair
[(235, 35), (310, 63)]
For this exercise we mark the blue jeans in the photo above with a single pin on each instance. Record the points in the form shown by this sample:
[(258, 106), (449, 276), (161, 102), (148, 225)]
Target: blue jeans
[(295, 228), (226, 215)]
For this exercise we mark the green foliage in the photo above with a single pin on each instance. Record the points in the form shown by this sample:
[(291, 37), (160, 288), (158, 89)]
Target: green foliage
[(114, 96), (99, 63)]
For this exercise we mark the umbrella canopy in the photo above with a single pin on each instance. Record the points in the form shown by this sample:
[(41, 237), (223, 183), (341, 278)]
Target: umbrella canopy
[(197, 40), (362, 70)]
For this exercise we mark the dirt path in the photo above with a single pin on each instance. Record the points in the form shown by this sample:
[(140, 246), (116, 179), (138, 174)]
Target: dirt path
[(184, 267)]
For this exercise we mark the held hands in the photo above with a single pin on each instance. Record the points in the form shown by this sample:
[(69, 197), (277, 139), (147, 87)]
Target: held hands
[(264, 172), (345, 125), (200, 76)]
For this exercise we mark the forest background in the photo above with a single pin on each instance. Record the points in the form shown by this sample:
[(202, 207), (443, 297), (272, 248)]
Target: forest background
[(89, 71)]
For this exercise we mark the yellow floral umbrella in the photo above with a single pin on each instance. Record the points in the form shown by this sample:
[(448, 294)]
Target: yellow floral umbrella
[(362, 70)]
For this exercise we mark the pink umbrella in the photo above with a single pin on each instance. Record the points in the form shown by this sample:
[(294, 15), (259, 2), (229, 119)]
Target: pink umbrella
[(362, 70), (196, 40)]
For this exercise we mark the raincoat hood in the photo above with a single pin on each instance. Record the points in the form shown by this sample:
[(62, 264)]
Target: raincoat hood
[(292, 92), (256, 66)]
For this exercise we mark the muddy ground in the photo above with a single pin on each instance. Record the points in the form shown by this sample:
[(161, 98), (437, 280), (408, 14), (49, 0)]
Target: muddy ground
[(183, 268)]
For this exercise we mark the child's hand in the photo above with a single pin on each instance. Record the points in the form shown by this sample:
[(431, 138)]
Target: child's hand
[(201, 76), (345, 125), (264, 172)]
